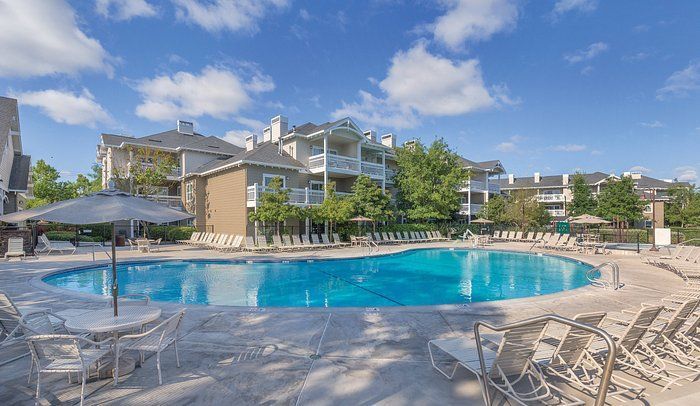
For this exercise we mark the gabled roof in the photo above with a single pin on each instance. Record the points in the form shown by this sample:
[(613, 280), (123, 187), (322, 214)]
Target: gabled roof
[(310, 128), (19, 175), (175, 141), (9, 118), (492, 166), (550, 181), (645, 182), (265, 154)]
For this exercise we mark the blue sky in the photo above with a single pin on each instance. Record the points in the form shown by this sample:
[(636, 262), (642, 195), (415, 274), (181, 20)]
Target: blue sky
[(550, 86)]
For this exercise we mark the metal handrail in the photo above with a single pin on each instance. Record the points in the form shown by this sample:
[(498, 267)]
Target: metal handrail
[(687, 241), (609, 360), (615, 269)]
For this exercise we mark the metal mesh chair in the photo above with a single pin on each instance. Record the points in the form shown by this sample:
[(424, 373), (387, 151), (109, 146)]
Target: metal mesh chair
[(155, 340)]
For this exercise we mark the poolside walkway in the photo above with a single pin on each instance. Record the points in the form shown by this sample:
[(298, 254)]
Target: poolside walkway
[(306, 356)]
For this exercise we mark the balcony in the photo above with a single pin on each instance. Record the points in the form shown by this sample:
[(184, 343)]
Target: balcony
[(297, 196), (345, 165), (479, 186), (173, 175), (389, 173), (551, 197), (470, 209), (374, 171), (174, 202), (557, 212)]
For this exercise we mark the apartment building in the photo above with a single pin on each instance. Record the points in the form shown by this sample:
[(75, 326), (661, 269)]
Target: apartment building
[(483, 183), (555, 191), (15, 167), (118, 154), (223, 192)]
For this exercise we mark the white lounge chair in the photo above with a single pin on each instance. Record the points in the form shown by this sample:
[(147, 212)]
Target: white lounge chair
[(155, 340), (15, 248), (194, 237), (51, 246), (336, 239)]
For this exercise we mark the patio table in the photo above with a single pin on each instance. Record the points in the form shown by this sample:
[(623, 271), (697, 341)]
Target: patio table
[(103, 321)]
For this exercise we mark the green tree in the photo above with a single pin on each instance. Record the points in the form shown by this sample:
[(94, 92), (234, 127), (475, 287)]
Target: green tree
[(684, 206), (369, 200), (90, 183), (618, 202), (334, 209), (47, 187), (148, 171), (429, 180), (583, 201), (495, 210), (273, 205), (525, 211)]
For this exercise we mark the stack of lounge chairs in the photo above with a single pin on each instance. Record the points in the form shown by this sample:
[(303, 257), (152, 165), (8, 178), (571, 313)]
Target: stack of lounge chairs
[(684, 260), (234, 243), (398, 237), (516, 236), (658, 342)]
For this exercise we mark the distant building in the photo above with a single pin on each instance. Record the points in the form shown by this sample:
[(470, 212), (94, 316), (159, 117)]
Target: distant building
[(555, 191), (15, 167)]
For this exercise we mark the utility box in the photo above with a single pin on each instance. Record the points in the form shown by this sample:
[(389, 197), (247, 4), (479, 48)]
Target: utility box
[(662, 236)]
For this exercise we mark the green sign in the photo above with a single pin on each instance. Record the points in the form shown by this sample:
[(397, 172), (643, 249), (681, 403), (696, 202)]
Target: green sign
[(563, 227)]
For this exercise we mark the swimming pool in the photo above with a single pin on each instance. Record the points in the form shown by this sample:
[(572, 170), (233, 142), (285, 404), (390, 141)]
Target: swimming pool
[(417, 277)]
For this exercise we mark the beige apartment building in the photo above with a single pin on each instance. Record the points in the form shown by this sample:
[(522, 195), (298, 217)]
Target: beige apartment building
[(555, 191), (221, 183), (15, 167)]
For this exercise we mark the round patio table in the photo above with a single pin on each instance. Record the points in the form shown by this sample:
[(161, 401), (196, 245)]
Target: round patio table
[(103, 321)]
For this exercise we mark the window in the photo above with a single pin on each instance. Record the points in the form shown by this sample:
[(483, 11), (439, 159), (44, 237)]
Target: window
[(268, 177), (647, 208), (316, 185), (189, 193)]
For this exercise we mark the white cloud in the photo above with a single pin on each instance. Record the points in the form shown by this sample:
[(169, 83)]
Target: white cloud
[(253, 124), (562, 7), (304, 14), (568, 148), (653, 124), (506, 147), (226, 15), (419, 83), (435, 86), (687, 174), (124, 9), (40, 37), (215, 92), (587, 70), (588, 53), (67, 107), (639, 56), (473, 20), (236, 137), (681, 82), (376, 112), (640, 169)]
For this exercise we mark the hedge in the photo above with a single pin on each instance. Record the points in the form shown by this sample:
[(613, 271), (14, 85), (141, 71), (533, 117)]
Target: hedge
[(170, 233), (70, 236)]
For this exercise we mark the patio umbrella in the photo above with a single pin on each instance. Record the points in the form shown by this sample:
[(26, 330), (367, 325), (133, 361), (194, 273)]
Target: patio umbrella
[(482, 221), (107, 206), (358, 220), (588, 219)]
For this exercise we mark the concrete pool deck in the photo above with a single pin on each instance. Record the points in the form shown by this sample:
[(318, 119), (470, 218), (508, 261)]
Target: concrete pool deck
[(307, 356)]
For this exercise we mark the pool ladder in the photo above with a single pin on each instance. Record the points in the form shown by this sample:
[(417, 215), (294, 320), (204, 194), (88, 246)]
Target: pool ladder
[(613, 282)]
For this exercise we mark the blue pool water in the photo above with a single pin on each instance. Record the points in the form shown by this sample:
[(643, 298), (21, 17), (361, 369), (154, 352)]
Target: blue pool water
[(413, 278)]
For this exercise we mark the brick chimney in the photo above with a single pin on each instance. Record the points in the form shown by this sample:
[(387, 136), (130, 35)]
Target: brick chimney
[(389, 140)]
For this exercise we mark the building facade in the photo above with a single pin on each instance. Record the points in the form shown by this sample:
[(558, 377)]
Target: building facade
[(15, 167), (221, 183), (555, 191)]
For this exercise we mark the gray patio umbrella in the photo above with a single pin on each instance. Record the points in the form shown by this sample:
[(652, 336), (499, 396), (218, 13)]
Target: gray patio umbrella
[(107, 206)]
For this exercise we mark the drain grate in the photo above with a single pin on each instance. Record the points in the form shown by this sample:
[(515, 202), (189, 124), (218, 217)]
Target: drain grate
[(315, 356)]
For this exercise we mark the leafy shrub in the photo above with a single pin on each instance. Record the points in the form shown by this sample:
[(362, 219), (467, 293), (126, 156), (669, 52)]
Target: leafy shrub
[(170, 233), (69, 236)]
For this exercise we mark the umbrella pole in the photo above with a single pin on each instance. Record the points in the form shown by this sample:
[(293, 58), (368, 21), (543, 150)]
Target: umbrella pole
[(114, 271)]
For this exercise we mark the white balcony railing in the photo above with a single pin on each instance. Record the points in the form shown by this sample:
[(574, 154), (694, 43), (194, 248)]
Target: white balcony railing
[(557, 212), (333, 163), (389, 174), (297, 196), (373, 170), (174, 202), (551, 197), (175, 172), (480, 186)]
